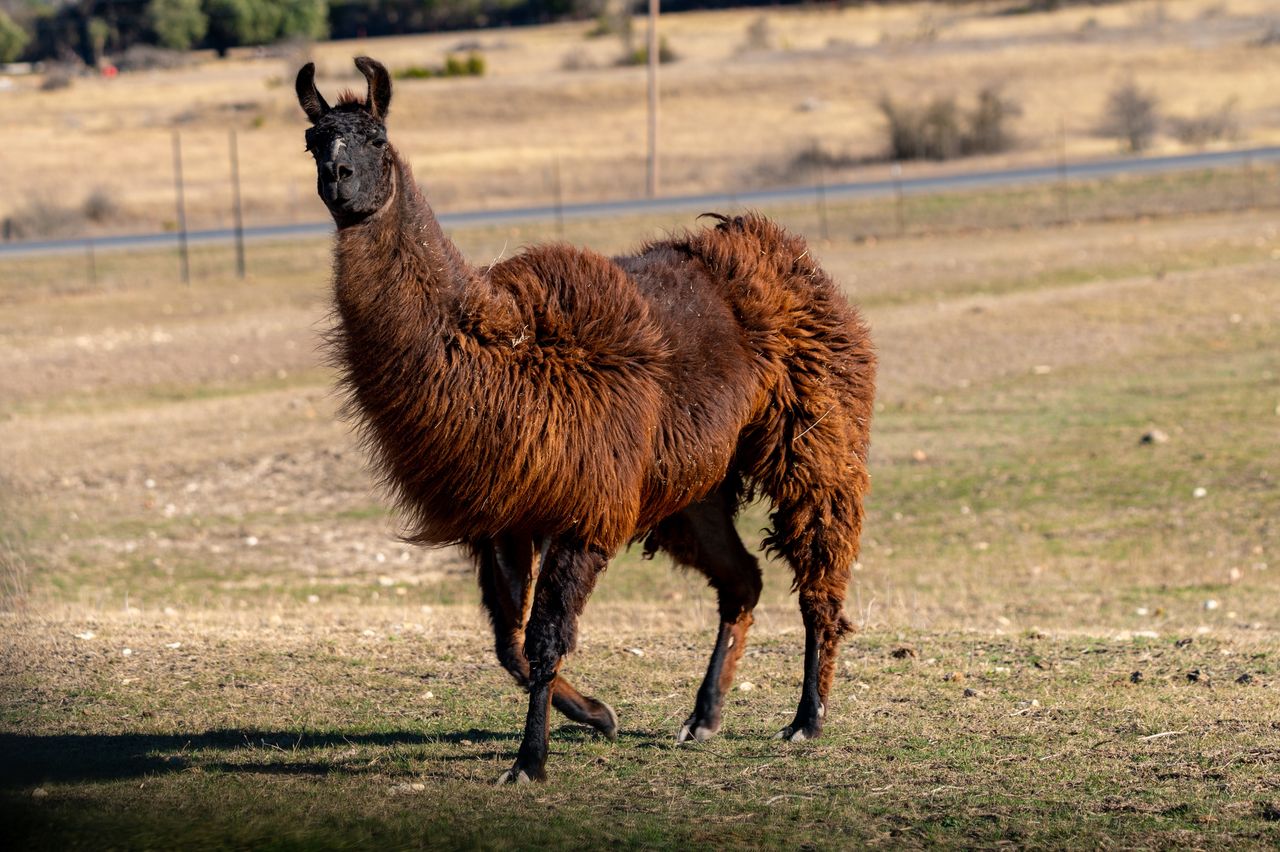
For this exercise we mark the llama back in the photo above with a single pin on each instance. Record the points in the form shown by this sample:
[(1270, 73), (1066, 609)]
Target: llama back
[(816, 344)]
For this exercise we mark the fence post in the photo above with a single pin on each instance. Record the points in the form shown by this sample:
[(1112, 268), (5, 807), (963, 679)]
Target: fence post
[(236, 213), (899, 203), (820, 189), (180, 201), (1064, 201), (1249, 181), (92, 258), (559, 190)]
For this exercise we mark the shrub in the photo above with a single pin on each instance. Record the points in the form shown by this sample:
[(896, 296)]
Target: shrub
[(247, 22), (819, 157), (759, 35), (99, 205), (58, 77), (1270, 37), (576, 60), (304, 19), (454, 66), (614, 18), (13, 38), (414, 72), (1131, 116), (178, 24), (41, 217), (940, 130), (640, 55), (1208, 127), (143, 57), (235, 22), (988, 123)]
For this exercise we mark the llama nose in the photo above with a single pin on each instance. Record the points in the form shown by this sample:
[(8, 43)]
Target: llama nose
[(337, 172)]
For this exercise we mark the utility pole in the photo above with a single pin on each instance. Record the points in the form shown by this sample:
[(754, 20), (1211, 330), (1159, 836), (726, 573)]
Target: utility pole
[(651, 184)]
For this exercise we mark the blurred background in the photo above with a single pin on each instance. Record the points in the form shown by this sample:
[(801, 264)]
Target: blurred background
[(517, 116)]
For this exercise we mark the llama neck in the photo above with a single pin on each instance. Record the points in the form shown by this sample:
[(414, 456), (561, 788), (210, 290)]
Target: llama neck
[(407, 305), (399, 258), (403, 290)]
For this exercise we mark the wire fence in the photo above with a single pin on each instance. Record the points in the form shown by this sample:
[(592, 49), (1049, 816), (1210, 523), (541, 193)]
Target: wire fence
[(901, 203)]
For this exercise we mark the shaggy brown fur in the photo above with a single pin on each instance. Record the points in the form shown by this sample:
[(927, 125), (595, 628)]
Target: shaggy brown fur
[(571, 402)]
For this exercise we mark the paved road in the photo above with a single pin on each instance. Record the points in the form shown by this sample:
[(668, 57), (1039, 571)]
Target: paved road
[(865, 189)]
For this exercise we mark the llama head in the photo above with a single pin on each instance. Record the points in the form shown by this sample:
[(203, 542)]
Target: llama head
[(354, 163)]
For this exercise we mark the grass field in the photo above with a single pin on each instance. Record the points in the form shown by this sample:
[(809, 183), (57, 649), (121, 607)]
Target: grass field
[(733, 117), (211, 638)]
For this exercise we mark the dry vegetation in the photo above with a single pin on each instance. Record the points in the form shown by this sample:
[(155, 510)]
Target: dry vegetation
[(739, 107), (211, 638)]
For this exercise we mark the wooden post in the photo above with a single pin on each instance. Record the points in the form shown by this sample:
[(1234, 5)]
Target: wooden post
[(1249, 181), (236, 213), (899, 203), (1064, 201), (181, 204), (820, 190), (559, 200)]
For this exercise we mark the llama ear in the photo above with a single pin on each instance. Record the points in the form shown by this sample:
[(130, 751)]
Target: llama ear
[(313, 103), (379, 98)]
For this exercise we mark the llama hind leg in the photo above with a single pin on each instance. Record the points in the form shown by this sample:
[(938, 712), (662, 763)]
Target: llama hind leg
[(820, 540), (566, 577), (703, 537), (505, 568)]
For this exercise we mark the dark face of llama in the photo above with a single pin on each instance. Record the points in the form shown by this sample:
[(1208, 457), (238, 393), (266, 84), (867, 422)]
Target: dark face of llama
[(349, 143)]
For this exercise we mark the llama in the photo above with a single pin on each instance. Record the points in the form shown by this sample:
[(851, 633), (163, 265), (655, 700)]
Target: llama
[(548, 409)]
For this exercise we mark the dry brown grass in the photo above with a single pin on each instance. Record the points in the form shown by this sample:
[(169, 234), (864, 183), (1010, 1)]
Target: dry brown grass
[(730, 119)]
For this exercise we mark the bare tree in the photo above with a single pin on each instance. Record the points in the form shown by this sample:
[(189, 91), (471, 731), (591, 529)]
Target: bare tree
[(1132, 115)]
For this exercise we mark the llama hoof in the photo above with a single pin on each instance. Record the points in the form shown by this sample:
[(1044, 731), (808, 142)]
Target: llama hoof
[(609, 725), (797, 733), (807, 725), (513, 776), (695, 730)]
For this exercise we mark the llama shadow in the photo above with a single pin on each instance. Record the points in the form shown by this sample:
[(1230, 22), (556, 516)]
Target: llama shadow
[(27, 759), (31, 759)]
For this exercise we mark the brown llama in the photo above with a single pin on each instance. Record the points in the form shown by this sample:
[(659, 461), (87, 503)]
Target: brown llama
[(562, 404)]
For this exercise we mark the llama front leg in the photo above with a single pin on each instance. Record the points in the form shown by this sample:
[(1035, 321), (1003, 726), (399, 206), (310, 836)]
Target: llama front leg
[(704, 722), (505, 570), (567, 576)]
